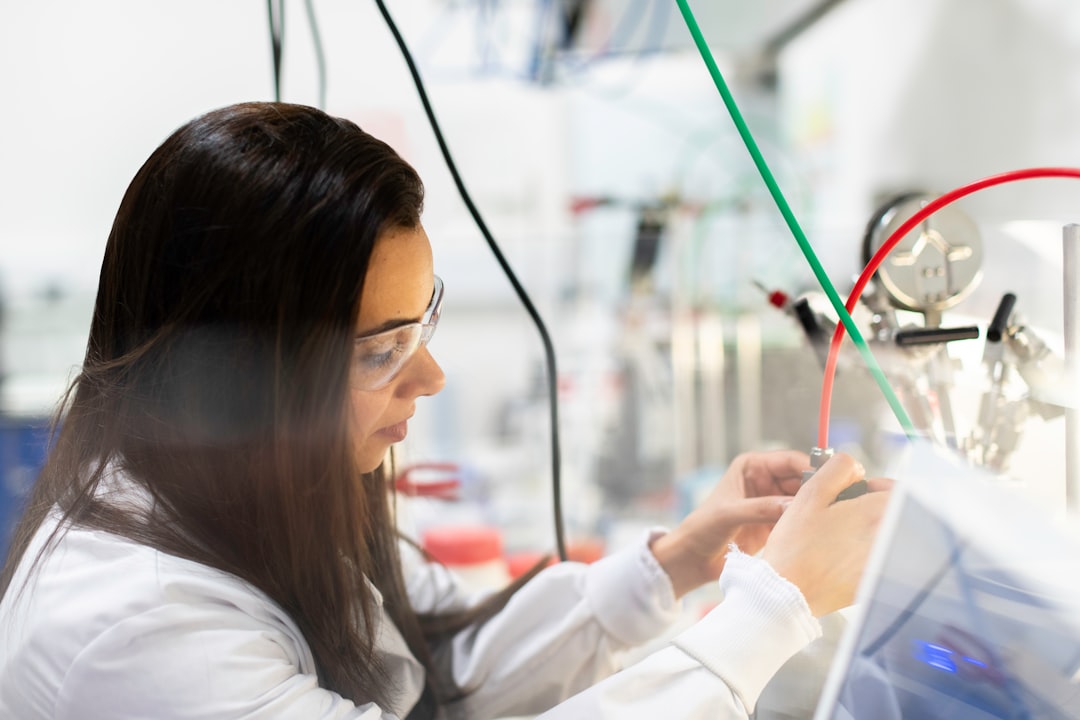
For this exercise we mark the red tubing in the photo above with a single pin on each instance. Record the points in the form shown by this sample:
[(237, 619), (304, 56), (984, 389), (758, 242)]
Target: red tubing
[(887, 247)]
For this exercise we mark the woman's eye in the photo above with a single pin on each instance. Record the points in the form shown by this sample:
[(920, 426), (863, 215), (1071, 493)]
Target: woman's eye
[(375, 360), (387, 350)]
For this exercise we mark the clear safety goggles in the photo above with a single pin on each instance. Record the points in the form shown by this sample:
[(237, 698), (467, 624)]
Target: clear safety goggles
[(378, 358)]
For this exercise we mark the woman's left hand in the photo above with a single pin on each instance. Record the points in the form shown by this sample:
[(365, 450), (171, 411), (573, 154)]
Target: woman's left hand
[(742, 509)]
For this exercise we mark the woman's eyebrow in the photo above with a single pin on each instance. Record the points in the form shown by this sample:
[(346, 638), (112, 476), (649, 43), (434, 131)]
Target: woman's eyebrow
[(393, 324)]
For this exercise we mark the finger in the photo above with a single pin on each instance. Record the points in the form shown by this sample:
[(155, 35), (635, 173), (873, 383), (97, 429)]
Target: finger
[(789, 485), (767, 509), (782, 464), (840, 471), (880, 484), (872, 506)]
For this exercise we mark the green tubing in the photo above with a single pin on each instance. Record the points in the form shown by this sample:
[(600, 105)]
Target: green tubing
[(793, 224)]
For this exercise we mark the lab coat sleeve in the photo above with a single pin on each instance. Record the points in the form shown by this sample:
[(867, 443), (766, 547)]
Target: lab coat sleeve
[(718, 667), (207, 660), (563, 631)]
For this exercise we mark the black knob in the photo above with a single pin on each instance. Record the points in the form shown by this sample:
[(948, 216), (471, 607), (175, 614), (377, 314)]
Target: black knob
[(1001, 318)]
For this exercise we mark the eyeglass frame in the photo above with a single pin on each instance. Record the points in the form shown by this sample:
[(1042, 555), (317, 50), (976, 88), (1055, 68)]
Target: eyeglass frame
[(427, 324)]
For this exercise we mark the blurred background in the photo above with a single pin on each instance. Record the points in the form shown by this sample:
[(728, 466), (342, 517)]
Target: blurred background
[(599, 152)]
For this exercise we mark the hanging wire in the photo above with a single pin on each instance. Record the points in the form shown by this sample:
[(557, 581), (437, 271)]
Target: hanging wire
[(320, 55), (549, 348), (275, 13), (793, 223)]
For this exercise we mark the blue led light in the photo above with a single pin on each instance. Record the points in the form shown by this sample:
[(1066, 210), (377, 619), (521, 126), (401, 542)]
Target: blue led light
[(973, 661), (936, 656)]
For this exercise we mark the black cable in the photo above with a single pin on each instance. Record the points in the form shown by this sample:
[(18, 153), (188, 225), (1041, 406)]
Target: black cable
[(912, 607), (549, 349), (775, 44), (277, 33), (320, 56)]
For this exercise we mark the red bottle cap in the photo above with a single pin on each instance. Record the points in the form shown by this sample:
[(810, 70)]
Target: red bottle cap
[(463, 544)]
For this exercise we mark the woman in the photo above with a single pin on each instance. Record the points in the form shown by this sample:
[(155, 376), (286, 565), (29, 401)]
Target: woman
[(212, 537)]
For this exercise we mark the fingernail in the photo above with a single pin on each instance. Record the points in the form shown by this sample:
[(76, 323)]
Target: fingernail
[(784, 502)]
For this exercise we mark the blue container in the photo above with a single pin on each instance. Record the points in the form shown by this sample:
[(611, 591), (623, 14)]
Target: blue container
[(23, 445)]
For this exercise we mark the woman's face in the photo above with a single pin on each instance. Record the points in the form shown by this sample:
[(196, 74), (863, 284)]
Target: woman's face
[(397, 290)]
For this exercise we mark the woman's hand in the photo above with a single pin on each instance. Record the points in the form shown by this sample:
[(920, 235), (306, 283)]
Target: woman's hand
[(741, 508), (821, 545)]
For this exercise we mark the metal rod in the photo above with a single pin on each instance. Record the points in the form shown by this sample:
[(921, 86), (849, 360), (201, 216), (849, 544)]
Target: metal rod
[(713, 401), (683, 363), (748, 359), (1071, 287)]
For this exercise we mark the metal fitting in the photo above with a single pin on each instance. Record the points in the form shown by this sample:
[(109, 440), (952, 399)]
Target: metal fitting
[(818, 457)]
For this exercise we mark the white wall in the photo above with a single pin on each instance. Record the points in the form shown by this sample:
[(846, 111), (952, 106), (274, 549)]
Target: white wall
[(890, 95), (92, 88)]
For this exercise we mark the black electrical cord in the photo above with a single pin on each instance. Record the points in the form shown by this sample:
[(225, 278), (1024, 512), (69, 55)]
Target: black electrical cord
[(908, 612), (276, 16), (320, 56), (549, 349)]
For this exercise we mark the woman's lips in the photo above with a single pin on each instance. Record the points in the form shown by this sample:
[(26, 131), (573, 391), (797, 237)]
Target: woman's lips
[(396, 432)]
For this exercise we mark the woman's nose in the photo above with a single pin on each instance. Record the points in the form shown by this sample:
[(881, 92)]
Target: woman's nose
[(422, 375)]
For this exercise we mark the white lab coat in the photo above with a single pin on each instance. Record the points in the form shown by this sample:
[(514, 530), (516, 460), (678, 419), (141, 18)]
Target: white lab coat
[(108, 628)]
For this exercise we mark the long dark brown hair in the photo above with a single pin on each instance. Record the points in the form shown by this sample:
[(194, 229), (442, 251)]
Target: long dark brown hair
[(216, 372)]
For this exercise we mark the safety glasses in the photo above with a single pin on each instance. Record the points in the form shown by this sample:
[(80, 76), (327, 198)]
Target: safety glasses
[(378, 358)]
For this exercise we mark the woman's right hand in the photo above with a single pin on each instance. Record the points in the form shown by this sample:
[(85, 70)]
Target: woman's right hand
[(821, 545)]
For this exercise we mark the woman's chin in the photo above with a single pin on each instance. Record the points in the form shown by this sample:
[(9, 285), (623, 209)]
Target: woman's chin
[(371, 459)]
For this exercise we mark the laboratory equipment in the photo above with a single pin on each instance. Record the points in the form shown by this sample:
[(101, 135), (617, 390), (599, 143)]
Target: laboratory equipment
[(473, 552), (820, 456), (966, 610), (932, 269)]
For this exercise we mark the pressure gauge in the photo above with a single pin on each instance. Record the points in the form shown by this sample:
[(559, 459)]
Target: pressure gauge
[(934, 266)]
